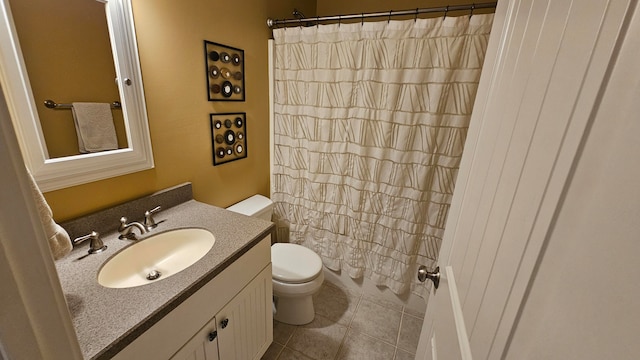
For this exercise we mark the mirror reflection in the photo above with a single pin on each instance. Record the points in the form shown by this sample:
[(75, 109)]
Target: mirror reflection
[(68, 58)]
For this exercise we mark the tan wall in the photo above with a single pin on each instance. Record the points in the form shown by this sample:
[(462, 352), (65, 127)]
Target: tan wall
[(67, 52), (170, 40)]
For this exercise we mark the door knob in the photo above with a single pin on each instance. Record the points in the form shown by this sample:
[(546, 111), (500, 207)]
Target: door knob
[(424, 274)]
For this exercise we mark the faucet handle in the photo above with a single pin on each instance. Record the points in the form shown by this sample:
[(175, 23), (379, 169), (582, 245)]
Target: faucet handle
[(149, 223), (95, 246)]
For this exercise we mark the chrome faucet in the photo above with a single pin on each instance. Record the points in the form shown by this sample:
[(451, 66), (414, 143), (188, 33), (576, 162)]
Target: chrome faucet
[(126, 230)]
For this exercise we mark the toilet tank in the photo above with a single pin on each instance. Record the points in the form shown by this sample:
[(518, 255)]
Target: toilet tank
[(257, 206)]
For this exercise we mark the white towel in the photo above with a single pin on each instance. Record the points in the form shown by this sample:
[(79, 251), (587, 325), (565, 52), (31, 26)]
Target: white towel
[(94, 126), (59, 240)]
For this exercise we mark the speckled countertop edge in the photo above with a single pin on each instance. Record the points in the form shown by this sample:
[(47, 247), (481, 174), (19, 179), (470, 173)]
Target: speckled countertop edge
[(107, 320)]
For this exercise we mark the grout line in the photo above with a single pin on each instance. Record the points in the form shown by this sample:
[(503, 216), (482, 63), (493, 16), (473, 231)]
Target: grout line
[(355, 311), (279, 353), (295, 328), (346, 333), (399, 330)]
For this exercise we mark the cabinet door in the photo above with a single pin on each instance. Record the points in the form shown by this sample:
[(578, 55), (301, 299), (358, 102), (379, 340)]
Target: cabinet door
[(245, 324), (203, 346)]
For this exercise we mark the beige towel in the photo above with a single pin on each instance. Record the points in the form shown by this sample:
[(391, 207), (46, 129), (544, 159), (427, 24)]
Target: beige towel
[(59, 240), (94, 126)]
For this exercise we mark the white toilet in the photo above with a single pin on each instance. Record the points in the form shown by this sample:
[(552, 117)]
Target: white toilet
[(297, 271)]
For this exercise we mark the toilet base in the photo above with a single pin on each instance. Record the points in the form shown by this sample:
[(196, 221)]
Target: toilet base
[(295, 310)]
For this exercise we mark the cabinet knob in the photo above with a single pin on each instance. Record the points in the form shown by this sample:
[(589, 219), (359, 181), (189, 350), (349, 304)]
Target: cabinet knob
[(213, 335), (224, 323)]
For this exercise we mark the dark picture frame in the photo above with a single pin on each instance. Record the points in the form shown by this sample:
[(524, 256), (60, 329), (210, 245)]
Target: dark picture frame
[(225, 72), (228, 137)]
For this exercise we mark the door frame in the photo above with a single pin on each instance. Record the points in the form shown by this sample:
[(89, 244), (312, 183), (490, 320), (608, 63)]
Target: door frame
[(36, 323), (523, 143)]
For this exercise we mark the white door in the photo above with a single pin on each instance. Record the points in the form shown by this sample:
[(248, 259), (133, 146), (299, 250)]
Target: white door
[(445, 311), (546, 67)]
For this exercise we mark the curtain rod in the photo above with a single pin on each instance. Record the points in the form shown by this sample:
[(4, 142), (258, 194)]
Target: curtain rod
[(271, 23)]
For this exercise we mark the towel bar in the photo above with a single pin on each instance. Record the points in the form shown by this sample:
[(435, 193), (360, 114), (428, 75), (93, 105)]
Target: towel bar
[(53, 105)]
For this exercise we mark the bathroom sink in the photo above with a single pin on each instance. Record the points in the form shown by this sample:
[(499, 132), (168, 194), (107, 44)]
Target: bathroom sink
[(155, 258)]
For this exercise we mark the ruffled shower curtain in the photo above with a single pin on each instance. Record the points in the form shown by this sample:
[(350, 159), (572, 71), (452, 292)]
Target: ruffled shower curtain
[(370, 122)]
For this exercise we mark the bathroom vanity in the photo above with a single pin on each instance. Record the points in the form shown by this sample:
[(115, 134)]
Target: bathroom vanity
[(237, 307), (218, 308)]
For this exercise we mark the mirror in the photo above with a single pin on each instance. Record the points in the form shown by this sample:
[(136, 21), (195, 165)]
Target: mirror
[(134, 146), (67, 53)]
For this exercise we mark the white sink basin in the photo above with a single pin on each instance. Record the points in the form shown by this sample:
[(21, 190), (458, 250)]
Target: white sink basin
[(155, 258)]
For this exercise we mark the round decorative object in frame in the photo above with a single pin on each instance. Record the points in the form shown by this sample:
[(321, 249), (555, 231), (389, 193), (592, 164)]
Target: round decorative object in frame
[(228, 137), (227, 89), (214, 56), (225, 72), (214, 72), (235, 59)]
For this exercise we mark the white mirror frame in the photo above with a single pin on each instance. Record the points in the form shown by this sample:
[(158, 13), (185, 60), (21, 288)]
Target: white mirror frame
[(57, 173)]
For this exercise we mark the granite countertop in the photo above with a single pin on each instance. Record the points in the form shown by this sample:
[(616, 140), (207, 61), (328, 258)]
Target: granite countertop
[(107, 320)]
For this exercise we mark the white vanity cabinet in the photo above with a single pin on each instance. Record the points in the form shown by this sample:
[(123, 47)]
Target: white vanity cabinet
[(240, 330), (203, 346), (228, 318)]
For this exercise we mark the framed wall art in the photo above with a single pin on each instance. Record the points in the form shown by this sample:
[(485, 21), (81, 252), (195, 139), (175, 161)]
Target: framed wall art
[(225, 72), (228, 137)]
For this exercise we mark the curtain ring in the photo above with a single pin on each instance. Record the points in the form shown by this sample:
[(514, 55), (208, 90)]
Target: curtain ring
[(473, 7), (446, 10), (415, 19), (339, 20), (362, 19), (317, 22), (389, 19)]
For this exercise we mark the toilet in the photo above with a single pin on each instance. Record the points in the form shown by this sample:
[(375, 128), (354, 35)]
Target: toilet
[(297, 271)]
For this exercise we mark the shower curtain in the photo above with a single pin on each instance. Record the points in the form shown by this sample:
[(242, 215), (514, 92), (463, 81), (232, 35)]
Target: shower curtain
[(370, 122)]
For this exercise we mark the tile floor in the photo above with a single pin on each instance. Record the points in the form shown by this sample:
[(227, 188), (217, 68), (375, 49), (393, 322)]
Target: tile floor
[(349, 325)]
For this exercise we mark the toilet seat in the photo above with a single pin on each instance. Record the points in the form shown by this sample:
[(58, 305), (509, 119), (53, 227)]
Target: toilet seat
[(297, 290), (294, 264)]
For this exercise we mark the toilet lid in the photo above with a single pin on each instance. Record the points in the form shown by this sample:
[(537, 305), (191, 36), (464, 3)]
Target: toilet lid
[(294, 263)]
